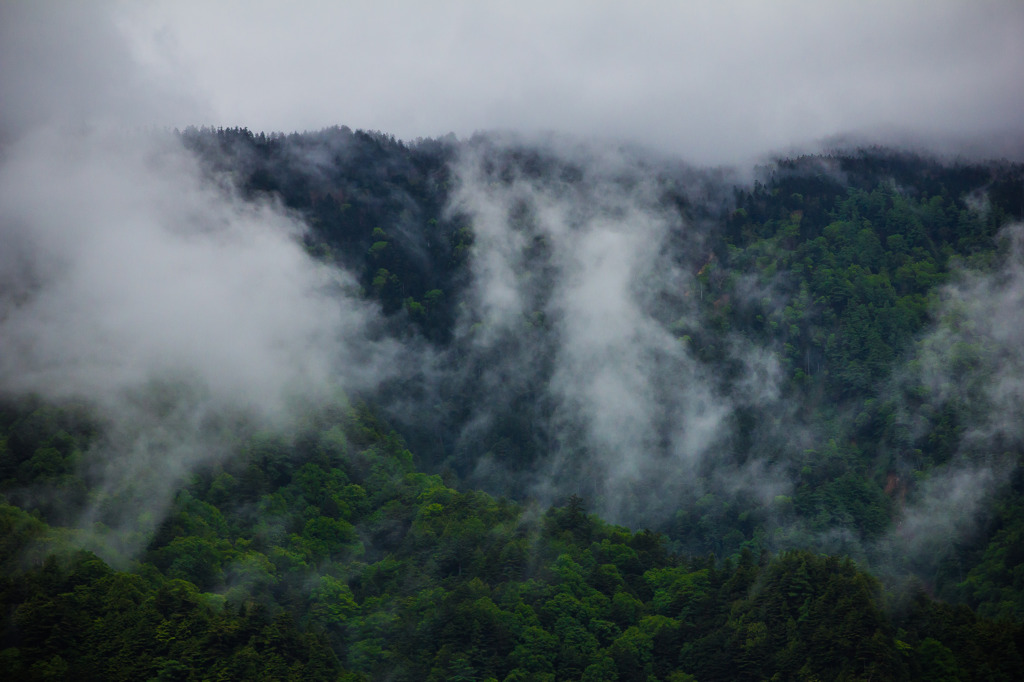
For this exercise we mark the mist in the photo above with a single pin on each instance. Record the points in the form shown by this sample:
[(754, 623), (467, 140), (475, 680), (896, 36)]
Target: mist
[(585, 281), (186, 310), (138, 282), (154, 292), (969, 364), (714, 83)]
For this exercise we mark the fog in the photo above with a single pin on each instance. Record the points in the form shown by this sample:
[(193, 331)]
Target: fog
[(970, 359), (581, 292), (139, 280), (718, 82)]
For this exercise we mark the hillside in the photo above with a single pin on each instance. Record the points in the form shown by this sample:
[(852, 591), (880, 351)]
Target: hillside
[(585, 412)]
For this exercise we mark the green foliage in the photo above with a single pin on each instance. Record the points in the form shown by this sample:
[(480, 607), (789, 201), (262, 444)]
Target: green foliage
[(329, 554), (419, 580)]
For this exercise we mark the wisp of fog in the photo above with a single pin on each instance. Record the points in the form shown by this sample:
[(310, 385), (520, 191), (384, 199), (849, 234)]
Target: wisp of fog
[(136, 280)]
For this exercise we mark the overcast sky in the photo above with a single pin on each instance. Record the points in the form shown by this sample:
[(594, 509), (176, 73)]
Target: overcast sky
[(711, 81)]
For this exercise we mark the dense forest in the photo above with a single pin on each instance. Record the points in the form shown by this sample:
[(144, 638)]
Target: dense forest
[(634, 420)]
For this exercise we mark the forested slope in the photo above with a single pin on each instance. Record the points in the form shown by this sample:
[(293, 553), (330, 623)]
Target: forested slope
[(327, 554), (806, 388)]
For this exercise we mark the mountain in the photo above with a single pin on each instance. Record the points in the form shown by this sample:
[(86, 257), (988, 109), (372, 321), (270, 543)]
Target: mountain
[(585, 412)]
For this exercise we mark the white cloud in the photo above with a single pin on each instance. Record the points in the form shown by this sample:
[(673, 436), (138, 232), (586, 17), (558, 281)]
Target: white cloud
[(711, 81)]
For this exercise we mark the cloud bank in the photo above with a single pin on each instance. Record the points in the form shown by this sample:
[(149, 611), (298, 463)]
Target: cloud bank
[(713, 82), (584, 282), (135, 280), (131, 265)]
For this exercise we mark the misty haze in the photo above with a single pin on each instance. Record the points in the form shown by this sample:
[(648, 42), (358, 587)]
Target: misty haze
[(623, 370)]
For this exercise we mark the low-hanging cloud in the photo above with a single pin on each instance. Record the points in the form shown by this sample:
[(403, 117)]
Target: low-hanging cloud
[(582, 275), (141, 282), (142, 267), (714, 82), (136, 282), (969, 367)]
